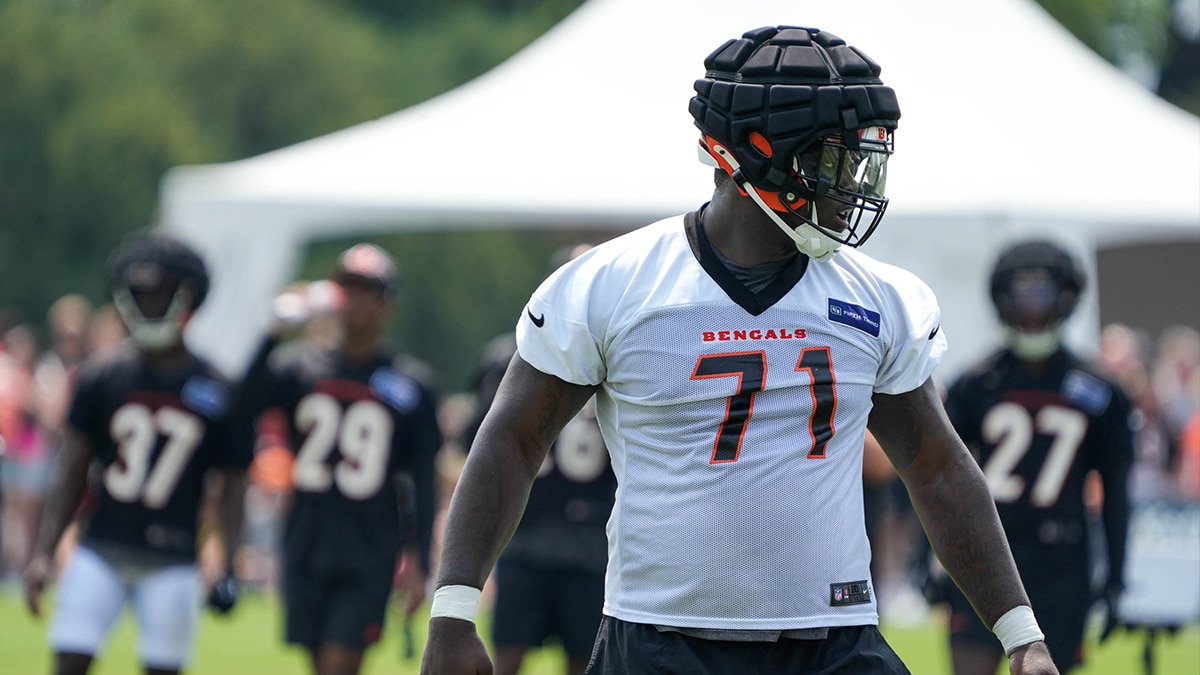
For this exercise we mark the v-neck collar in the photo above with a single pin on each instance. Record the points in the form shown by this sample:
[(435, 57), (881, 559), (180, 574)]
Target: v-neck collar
[(753, 303)]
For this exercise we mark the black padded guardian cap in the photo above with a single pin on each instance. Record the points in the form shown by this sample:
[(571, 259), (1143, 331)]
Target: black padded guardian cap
[(789, 87), (1043, 255)]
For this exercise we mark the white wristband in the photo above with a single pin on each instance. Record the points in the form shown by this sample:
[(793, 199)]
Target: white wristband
[(1017, 628), (456, 602)]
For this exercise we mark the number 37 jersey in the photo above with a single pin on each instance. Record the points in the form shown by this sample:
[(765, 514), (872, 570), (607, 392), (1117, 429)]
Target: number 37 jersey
[(735, 421), (155, 433)]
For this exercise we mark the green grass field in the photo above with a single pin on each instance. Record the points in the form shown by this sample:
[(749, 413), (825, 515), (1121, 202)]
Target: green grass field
[(249, 643)]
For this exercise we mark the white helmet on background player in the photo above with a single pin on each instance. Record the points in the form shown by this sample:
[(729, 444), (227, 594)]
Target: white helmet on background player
[(1035, 286), (157, 283), (795, 114)]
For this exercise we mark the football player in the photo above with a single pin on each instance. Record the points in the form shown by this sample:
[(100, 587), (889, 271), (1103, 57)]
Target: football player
[(148, 425), (364, 432), (1039, 419), (737, 354)]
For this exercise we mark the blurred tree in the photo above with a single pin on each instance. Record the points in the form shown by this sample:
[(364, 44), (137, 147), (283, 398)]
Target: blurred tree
[(85, 133), (1180, 78), (98, 99), (1157, 42)]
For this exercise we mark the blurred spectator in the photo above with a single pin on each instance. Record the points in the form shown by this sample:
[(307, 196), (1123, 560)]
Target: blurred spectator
[(26, 469), (1175, 377), (67, 321), (1125, 354), (106, 328), (1189, 460)]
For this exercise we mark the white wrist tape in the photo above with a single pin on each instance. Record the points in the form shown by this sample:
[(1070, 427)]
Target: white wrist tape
[(1017, 628), (456, 602)]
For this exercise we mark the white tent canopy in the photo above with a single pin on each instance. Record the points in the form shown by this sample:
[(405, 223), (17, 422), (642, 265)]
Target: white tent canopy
[(1009, 126)]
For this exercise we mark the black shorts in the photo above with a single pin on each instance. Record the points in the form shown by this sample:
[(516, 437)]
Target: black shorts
[(623, 647), (534, 603), (1060, 607), (346, 608)]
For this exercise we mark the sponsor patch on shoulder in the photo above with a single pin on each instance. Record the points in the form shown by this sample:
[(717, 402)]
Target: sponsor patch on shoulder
[(849, 593), (395, 389), (205, 396), (855, 316), (1089, 394)]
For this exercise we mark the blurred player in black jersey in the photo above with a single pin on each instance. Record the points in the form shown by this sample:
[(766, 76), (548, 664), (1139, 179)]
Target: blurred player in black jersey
[(148, 421), (364, 432), (550, 577), (1039, 420)]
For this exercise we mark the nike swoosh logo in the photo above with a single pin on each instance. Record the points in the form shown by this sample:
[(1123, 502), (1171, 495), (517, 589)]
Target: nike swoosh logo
[(934, 331), (538, 321)]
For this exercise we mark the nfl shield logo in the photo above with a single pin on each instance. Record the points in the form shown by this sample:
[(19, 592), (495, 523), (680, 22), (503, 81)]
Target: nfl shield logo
[(837, 594)]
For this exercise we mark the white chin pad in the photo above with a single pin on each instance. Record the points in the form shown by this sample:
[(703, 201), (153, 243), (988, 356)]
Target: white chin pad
[(813, 244)]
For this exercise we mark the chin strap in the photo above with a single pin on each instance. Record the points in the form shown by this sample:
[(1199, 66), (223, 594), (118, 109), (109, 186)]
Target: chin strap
[(808, 239)]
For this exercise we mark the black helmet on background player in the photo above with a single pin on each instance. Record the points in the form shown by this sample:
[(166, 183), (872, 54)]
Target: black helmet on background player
[(157, 283), (793, 114), (1035, 286)]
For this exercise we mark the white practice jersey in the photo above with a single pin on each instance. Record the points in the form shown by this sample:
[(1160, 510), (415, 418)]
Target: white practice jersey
[(735, 421)]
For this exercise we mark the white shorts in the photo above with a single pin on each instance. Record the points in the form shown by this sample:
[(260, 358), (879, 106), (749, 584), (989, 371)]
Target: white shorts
[(92, 592)]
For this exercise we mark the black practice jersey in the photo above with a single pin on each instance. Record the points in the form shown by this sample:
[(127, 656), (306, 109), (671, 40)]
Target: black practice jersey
[(356, 429), (155, 433), (1037, 435)]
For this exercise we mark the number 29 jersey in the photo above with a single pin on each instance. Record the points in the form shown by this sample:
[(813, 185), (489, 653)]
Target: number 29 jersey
[(155, 433), (354, 428), (735, 421)]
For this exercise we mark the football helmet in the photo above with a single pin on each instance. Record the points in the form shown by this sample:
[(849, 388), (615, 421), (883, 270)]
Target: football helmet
[(156, 283), (795, 114), (1035, 286), (370, 264)]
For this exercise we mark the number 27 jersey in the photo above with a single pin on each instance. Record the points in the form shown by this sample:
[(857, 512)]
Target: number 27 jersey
[(735, 421)]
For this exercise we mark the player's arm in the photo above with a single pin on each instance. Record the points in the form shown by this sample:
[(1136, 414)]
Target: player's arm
[(226, 492), (526, 416), (426, 442), (255, 392), (951, 498), (1115, 462), (229, 496), (66, 492)]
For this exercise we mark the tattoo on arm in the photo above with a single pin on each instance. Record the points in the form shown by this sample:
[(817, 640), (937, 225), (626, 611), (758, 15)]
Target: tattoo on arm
[(527, 414)]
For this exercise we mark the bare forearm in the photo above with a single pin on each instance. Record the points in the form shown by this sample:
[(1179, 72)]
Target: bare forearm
[(528, 412), (951, 498), (487, 506), (231, 509), (959, 517), (66, 493)]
